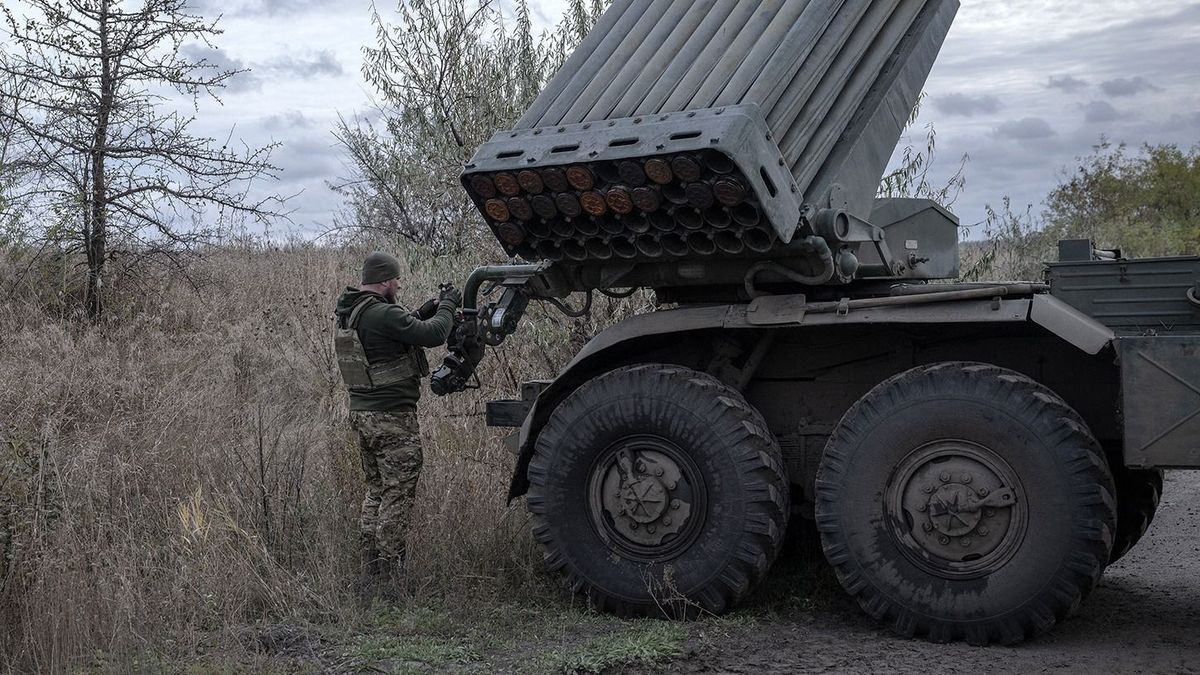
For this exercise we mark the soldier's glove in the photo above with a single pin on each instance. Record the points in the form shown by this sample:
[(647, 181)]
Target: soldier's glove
[(451, 295), (426, 311)]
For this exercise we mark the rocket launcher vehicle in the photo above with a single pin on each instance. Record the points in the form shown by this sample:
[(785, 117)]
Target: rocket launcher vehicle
[(700, 147)]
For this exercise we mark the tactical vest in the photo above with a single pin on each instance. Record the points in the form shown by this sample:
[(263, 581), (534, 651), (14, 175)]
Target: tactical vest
[(361, 375)]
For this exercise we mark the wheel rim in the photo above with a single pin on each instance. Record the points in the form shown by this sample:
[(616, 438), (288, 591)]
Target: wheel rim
[(646, 498), (957, 509)]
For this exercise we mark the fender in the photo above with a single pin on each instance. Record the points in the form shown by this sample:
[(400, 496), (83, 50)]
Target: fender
[(792, 311)]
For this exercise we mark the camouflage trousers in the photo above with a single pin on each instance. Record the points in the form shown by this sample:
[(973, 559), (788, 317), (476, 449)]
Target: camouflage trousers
[(390, 444)]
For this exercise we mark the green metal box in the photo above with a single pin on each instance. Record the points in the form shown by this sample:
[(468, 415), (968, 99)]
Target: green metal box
[(1133, 297)]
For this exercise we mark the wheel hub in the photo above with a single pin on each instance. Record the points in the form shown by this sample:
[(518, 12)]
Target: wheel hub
[(956, 509), (647, 493)]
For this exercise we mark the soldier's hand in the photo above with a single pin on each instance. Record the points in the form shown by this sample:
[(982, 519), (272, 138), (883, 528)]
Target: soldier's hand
[(451, 295), (427, 310)]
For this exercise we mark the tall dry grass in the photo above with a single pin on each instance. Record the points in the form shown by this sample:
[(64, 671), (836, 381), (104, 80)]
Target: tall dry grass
[(185, 467)]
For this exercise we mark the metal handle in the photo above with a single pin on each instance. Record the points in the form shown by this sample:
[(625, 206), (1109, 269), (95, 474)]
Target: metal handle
[(1191, 296)]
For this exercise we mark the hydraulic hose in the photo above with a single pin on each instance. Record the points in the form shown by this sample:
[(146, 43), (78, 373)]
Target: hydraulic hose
[(493, 273), (813, 244)]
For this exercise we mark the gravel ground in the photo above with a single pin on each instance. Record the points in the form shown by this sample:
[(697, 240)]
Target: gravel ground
[(1144, 618)]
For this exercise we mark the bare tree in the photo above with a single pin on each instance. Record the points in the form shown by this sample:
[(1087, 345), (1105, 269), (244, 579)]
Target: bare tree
[(117, 163), (449, 74)]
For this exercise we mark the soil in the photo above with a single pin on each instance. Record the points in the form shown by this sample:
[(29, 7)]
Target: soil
[(1143, 618)]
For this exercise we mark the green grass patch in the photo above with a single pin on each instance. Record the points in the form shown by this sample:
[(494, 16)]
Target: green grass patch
[(643, 642), (410, 653)]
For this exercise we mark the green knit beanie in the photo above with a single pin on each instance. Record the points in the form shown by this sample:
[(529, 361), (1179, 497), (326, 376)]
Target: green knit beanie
[(379, 267)]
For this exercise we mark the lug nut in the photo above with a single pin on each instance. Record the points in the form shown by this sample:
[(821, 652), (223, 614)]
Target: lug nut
[(928, 489), (945, 477), (927, 527), (922, 507), (943, 540), (983, 531), (650, 529), (666, 521), (633, 525), (658, 472), (967, 478), (675, 504), (982, 492), (966, 542)]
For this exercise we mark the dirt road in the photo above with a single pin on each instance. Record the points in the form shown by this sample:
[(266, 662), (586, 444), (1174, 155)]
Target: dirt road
[(1144, 618)]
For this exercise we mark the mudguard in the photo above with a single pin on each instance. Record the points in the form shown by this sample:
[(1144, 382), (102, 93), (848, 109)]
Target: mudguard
[(791, 311)]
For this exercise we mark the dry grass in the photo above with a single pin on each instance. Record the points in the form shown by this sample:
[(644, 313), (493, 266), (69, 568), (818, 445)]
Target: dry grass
[(185, 468)]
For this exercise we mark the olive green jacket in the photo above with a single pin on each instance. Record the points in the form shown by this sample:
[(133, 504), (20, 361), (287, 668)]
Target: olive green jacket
[(388, 331)]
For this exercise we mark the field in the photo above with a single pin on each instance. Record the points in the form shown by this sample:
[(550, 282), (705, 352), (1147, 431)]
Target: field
[(179, 490)]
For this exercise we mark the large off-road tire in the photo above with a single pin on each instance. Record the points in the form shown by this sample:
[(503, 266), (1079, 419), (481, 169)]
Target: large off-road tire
[(962, 501), (658, 490), (1138, 494)]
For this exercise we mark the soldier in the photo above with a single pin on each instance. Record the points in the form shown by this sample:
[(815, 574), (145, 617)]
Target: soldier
[(379, 349)]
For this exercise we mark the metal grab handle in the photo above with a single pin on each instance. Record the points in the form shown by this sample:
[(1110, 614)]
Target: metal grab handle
[(1191, 296)]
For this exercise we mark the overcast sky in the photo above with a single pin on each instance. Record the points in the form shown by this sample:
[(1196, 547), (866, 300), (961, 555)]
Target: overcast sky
[(1022, 86)]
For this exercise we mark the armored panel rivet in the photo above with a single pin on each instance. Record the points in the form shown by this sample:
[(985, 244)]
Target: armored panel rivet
[(780, 161), (637, 120), (611, 123), (588, 125), (691, 114), (561, 129), (537, 132)]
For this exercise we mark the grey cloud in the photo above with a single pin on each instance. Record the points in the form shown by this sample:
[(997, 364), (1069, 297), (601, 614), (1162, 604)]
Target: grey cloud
[(288, 119), (967, 106), (1067, 83), (1127, 86), (321, 63), (1098, 112), (1028, 129), (216, 60), (254, 7)]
